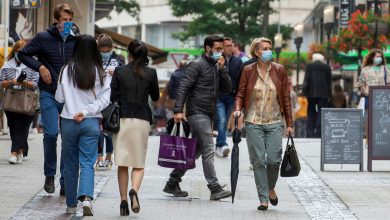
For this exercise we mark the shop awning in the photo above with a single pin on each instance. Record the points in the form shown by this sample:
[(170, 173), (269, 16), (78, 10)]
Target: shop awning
[(158, 56), (352, 56)]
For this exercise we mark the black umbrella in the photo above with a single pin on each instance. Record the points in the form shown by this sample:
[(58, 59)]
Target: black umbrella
[(235, 157)]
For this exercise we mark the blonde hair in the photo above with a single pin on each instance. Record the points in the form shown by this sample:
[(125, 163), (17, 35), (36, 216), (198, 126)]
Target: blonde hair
[(17, 46), (255, 45)]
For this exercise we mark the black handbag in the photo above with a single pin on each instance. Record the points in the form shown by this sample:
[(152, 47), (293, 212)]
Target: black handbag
[(111, 118), (290, 164)]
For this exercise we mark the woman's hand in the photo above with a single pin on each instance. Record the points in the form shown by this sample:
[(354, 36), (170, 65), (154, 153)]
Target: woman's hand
[(290, 130), (237, 113), (79, 117)]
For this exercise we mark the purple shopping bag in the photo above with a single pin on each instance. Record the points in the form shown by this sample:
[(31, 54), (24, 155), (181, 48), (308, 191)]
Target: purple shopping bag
[(177, 152)]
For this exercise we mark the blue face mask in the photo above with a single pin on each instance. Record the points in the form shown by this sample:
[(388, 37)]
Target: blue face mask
[(377, 61), (266, 55), (106, 55), (67, 28), (215, 55)]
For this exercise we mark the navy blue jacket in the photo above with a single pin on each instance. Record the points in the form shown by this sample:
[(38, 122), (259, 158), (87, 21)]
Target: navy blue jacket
[(174, 82), (234, 66), (52, 52)]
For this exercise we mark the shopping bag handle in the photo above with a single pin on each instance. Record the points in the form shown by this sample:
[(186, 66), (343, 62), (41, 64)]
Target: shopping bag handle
[(181, 129)]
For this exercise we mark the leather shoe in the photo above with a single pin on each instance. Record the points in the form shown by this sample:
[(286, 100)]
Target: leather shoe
[(274, 202), (49, 184), (262, 207)]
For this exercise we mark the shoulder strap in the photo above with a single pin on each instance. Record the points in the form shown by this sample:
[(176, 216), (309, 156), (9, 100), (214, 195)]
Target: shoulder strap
[(109, 60), (384, 67)]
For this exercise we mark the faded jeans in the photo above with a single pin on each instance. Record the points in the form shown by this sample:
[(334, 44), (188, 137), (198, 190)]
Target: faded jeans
[(201, 130), (79, 153), (265, 153)]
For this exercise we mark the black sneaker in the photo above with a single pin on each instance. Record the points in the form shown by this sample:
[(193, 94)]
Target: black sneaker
[(218, 193), (49, 184), (174, 189), (62, 191)]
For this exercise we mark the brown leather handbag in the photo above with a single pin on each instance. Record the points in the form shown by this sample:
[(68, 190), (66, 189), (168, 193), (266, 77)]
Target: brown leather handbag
[(20, 101)]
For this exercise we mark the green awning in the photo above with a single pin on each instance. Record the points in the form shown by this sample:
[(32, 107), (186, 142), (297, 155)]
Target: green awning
[(352, 67), (352, 56)]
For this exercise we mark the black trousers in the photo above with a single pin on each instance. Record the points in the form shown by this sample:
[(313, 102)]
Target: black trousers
[(314, 116), (19, 127)]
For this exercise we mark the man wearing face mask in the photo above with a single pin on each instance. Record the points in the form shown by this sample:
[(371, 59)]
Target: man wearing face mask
[(225, 101), (53, 48), (205, 77)]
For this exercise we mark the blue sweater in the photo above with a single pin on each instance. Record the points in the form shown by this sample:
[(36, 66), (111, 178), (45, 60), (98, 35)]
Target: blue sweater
[(52, 51)]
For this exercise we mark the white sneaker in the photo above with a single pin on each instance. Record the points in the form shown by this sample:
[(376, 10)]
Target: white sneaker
[(71, 210), (225, 151), (19, 158), (108, 164), (87, 208), (12, 159), (100, 166), (218, 152), (25, 158)]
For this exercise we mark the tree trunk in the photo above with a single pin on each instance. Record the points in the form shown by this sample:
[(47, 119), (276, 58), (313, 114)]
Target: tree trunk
[(266, 9)]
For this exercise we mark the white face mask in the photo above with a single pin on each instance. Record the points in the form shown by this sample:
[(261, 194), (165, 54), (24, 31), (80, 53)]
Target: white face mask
[(377, 61)]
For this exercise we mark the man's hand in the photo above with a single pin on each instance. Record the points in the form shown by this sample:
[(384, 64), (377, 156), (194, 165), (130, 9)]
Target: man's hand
[(178, 117), (221, 62), (79, 117), (45, 74), (290, 130)]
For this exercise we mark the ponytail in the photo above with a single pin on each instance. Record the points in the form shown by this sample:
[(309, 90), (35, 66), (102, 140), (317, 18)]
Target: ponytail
[(139, 52)]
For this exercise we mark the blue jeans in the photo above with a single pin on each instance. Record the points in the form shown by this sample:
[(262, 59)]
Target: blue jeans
[(79, 150), (50, 110), (224, 108)]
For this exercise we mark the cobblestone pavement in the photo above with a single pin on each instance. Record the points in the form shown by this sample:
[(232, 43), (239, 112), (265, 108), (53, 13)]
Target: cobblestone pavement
[(312, 195)]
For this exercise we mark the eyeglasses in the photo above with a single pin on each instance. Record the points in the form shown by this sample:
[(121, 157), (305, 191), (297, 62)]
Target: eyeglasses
[(219, 50)]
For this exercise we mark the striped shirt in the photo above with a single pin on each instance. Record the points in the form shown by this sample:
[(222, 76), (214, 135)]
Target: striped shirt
[(11, 70)]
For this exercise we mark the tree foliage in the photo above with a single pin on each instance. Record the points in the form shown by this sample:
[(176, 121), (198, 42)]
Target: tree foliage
[(130, 6), (242, 20)]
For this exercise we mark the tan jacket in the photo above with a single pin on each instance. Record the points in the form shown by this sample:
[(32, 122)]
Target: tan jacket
[(279, 78)]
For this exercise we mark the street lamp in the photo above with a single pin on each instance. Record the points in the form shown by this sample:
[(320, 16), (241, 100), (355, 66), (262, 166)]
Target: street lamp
[(329, 24), (278, 39), (298, 30)]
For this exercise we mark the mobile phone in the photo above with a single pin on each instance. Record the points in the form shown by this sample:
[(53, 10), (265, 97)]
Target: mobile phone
[(21, 77)]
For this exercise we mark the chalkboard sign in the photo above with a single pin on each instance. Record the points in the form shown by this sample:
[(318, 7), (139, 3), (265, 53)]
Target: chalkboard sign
[(378, 124), (342, 136)]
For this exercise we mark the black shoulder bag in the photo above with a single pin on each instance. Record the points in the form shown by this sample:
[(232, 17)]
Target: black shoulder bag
[(111, 117)]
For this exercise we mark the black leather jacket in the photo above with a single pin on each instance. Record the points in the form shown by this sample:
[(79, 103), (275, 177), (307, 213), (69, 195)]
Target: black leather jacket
[(200, 87)]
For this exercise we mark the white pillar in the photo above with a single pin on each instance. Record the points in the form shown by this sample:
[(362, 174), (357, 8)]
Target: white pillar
[(143, 32), (6, 8)]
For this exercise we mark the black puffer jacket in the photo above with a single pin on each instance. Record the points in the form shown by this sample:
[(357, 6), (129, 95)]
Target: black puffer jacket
[(200, 87), (52, 52)]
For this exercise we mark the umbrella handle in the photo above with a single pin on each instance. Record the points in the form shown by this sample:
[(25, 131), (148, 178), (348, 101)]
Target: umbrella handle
[(236, 121)]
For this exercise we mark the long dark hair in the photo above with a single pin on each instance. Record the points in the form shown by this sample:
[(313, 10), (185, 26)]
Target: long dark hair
[(85, 60), (139, 52)]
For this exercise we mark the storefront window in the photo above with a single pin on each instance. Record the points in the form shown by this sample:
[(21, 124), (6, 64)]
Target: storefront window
[(22, 23)]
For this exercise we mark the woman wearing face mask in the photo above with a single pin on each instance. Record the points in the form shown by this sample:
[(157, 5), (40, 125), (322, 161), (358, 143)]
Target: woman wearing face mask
[(110, 61), (263, 93), (18, 124), (374, 73)]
